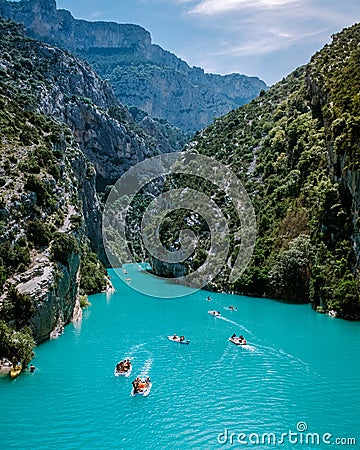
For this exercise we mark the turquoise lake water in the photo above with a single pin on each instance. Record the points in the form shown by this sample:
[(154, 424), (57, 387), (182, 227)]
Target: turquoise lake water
[(300, 374)]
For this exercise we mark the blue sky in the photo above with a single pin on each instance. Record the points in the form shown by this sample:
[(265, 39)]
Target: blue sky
[(264, 38)]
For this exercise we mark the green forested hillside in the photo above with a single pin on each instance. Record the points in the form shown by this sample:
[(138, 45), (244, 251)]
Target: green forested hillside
[(296, 149)]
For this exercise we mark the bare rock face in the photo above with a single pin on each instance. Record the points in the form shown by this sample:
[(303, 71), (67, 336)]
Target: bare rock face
[(168, 270), (53, 291), (95, 139), (42, 19), (142, 74)]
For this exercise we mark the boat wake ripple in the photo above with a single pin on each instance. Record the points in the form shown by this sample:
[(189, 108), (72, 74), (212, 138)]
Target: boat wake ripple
[(146, 368), (225, 319)]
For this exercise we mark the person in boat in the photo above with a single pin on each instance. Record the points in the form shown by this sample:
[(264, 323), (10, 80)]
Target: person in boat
[(182, 338), (32, 368), (143, 384), (127, 365), (233, 336), (231, 308), (136, 385), (208, 298), (175, 336)]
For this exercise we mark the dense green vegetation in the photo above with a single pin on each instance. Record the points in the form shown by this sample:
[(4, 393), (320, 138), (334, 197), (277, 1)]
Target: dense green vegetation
[(92, 273), (296, 150), (63, 246), (16, 343), (16, 338)]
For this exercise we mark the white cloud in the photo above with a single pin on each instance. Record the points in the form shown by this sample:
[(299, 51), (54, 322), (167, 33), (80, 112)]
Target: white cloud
[(272, 41), (213, 7)]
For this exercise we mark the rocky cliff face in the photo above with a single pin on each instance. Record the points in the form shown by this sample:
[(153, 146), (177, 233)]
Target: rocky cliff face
[(69, 90), (42, 19), (141, 73), (189, 98), (64, 137)]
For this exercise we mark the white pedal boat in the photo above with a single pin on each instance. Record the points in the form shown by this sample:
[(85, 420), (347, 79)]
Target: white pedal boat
[(238, 341), (214, 313), (144, 391), (123, 373), (178, 339)]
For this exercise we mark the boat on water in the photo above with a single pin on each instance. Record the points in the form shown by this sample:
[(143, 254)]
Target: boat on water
[(15, 371), (123, 368), (230, 308), (141, 387), (238, 340), (179, 339), (214, 313)]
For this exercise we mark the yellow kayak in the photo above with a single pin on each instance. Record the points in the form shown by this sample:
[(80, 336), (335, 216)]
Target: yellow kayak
[(14, 372)]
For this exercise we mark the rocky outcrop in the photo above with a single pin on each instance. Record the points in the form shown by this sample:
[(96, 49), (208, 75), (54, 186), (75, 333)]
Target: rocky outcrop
[(75, 95), (188, 98), (53, 290), (142, 74), (42, 19), (63, 133), (64, 129), (167, 270)]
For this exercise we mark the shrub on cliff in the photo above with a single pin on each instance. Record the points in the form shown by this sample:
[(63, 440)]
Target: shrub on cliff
[(17, 308), (16, 343), (38, 233), (92, 273), (62, 247), (2, 275), (44, 196), (14, 257)]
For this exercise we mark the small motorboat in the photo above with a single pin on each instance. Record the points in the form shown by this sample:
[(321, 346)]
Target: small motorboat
[(237, 340), (123, 368), (179, 339), (214, 313), (143, 388), (15, 371), (230, 308)]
